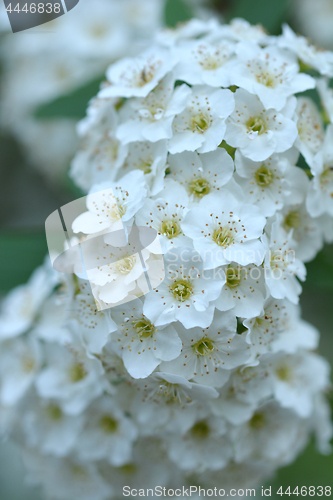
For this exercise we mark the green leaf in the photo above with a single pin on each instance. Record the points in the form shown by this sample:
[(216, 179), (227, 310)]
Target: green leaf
[(268, 13), (320, 270), (20, 254), (72, 105), (177, 11)]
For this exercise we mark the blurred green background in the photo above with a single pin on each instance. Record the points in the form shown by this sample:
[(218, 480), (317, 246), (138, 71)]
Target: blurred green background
[(27, 198)]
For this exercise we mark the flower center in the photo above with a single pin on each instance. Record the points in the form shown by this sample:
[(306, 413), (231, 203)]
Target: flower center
[(108, 424), (182, 290), (266, 79), (256, 124), (233, 277), (222, 237), (264, 176), (54, 412), (125, 266), (128, 469), (199, 123), (98, 31), (143, 328), (199, 187), (77, 372), (200, 430), (262, 323), (170, 229), (204, 347), (145, 76), (145, 167), (292, 220), (112, 149), (257, 421), (327, 176), (169, 391), (283, 373)]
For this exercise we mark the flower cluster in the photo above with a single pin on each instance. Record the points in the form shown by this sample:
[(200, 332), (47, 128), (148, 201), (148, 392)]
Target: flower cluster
[(210, 371), (55, 59)]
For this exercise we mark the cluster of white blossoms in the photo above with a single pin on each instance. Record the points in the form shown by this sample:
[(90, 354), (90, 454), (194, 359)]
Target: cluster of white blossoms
[(209, 376), (56, 58)]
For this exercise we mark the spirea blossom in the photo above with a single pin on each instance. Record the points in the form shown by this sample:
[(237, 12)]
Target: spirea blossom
[(211, 370)]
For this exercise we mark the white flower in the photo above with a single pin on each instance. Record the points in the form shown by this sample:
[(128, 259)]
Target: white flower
[(270, 183), (48, 428), (190, 29), (151, 159), (187, 292), (202, 124), (225, 230), (108, 434), (20, 361), (93, 326), (273, 434), (165, 401), (320, 196), (243, 292), (277, 317), (208, 354), (165, 388), (310, 128), (242, 394), (241, 30), (21, 306), (138, 76), (150, 118), (282, 266), (165, 214), (206, 63), (70, 378), (66, 477), (143, 345), (204, 446), (101, 155), (116, 272), (272, 74), (320, 60), (259, 132), (297, 379), (110, 203), (201, 174), (309, 233)]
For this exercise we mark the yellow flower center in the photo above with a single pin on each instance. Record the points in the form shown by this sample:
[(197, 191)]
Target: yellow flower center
[(257, 421), (203, 347), (233, 277), (199, 123), (108, 424), (283, 373), (170, 229), (256, 124), (266, 79), (199, 187), (264, 176), (77, 372), (292, 220), (54, 412), (125, 266), (222, 237), (143, 328), (200, 430), (182, 290)]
